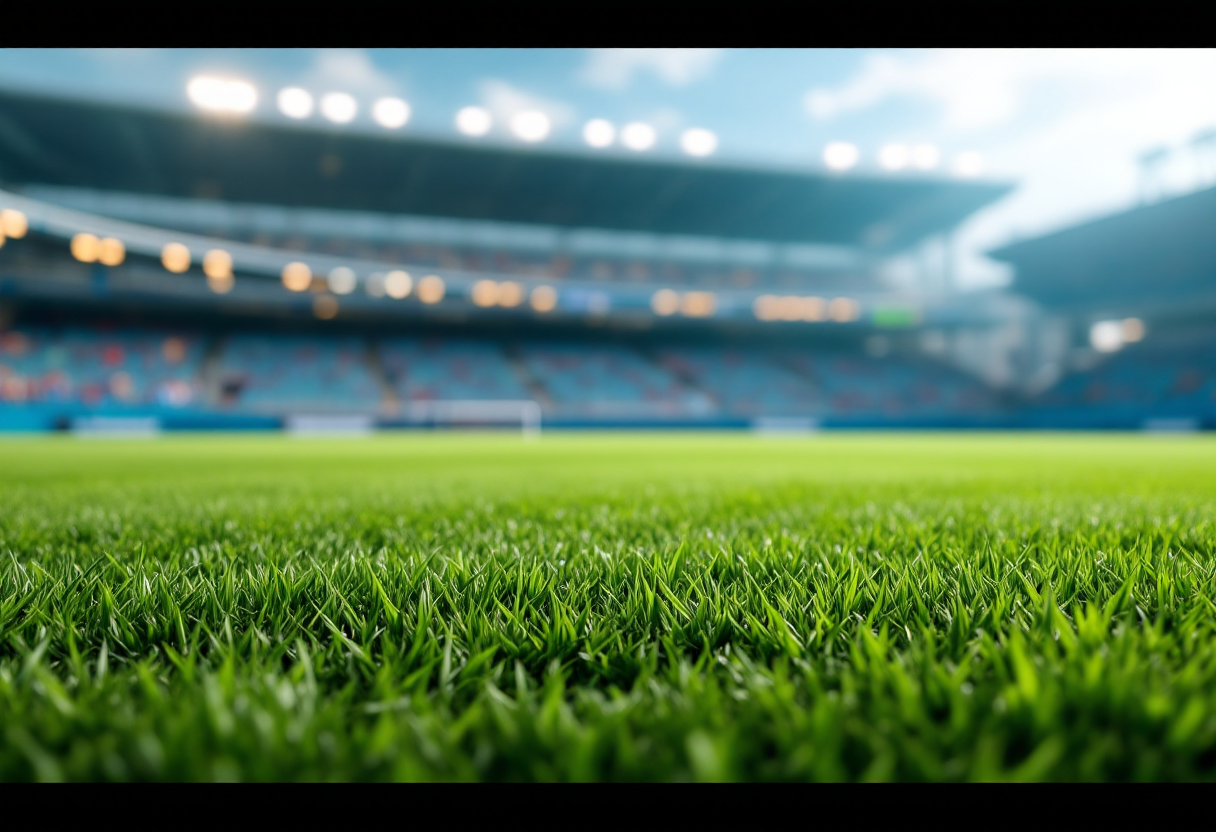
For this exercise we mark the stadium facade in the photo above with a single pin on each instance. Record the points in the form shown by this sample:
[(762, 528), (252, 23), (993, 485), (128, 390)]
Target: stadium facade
[(191, 272)]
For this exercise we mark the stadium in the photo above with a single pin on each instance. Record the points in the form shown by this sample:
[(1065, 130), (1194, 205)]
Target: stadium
[(619, 466)]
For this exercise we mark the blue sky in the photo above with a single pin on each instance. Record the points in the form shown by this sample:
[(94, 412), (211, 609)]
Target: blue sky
[(1066, 125)]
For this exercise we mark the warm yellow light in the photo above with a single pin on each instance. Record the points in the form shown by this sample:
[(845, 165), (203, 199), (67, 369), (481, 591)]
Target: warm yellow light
[(86, 248), (813, 309), (1133, 330), (843, 310), (510, 294), (544, 298), (217, 263), (665, 302), (297, 277), (767, 307), (431, 289), (397, 284), (485, 293), (698, 304), (111, 251), (175, 257), (219, 283), (325, 307), (789, 308), (13, 223)]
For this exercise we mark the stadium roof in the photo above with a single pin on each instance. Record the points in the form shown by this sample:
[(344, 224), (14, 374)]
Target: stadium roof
[(54, 141), (1159, 253)]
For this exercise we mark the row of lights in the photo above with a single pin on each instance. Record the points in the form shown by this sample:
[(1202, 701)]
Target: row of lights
[(1110, 336), (665, 303), (235, 97), (795, 308), (841, 156)]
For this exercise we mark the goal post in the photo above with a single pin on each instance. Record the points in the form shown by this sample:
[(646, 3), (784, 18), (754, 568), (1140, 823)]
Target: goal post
[(523, 412)]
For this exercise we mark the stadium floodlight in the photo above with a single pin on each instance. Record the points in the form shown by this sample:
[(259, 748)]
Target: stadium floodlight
[(698, 304), (297, 277), (599, 132), (484, 293), (295, 102), (86, 248), (221, 95), (217, 263), (767, 307), (790, 308), (1106, 336), (843, 310), (220, 284), (473, 121), (969, 164), (894, 156), (544, 299), (813, 309), (431, 289), (342, 280), (175, 257), (841, 155), (13, 223), (698, 141), (339, 107), (325, 307), (510, 294), (925, 157), (392, 113), (1133, 330), (111, 251), (665, 302), (397, 284), (530, 126), (638, 136)]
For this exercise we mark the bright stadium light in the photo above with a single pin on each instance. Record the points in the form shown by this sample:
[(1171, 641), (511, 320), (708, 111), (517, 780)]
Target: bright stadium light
[(342, 281), (894, 156), (925, 157), (397, 284), (295, 102), (484, 293), (111, 252), (840, 155), (297, 277), (698, 141), (1106, 336), (13, 223), (638, 136), (220, 284), (510, 294), (175, 257), (217, 263), (813, 309), (86, 248), (665, 302), (220, 95), (544, 299), (431, 289), (1133, 330), (843, 310), (698, 304), (767, 307), (473, 121), (530, 126), (338, 107), (969, 164), (599, 133), (391, 113)]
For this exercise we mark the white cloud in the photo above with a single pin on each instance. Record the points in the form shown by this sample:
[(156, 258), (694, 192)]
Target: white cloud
[(1066, 125), (504, 101), (614, 69), (348, 70)]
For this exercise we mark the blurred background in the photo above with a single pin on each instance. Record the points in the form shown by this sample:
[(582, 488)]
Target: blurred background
[(778, 240)]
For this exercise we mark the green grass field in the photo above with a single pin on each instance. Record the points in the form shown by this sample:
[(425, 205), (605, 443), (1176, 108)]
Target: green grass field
[(676, 607)]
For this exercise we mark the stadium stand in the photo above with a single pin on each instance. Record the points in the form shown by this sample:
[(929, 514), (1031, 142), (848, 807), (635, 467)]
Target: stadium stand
[(436, 370), (283, 373)]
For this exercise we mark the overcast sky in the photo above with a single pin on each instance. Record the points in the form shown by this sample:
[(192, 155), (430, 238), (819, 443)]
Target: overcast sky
[(1066, 125)]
